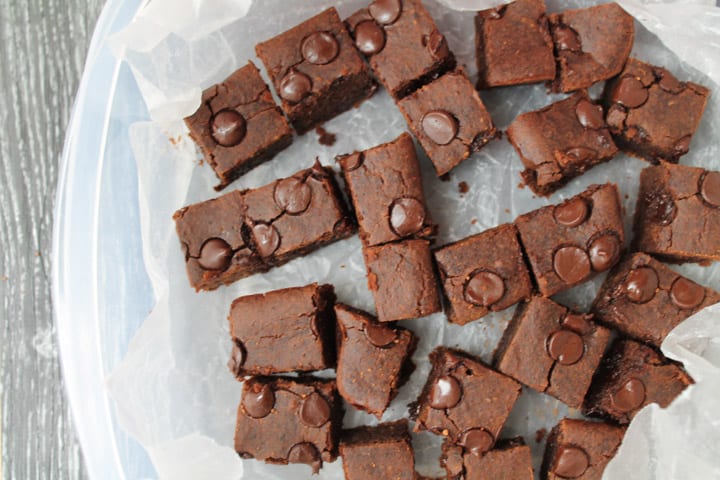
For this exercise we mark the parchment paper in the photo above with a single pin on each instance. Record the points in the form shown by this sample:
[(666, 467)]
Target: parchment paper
[(173, 391)]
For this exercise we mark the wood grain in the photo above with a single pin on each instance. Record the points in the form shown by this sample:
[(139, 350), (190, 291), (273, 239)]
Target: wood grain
[(42, 52)]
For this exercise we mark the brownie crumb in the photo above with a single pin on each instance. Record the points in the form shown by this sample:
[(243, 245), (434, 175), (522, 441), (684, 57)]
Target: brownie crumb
[(521, 185), (473, 221), (325, 138), (540, 435), (444, 178)]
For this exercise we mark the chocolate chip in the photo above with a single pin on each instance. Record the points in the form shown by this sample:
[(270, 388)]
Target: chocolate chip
[(604, 252), (578, 322), (567, 39), (292, 195), (445, 393), (380, 335), (589, 115), (295, 86), (259, 400), (710, 188), (315, 410), (668, 82), (686, 294), (571, 264), (320, 48), (682, 146), (267, 239), (641, 284), (630, 396), (305, 453), (570, 462), (484, 288), (477, 441), (237, 357), (215, 254), (572, 213), (630, 92), (369, 37), (437, 45), (660, 207), (565, 347), (385, 12), (576, 155), (440, 126), (228, 128), (407, 216)]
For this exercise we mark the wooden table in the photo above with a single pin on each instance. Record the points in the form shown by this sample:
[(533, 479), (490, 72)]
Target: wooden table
[(42, 53)]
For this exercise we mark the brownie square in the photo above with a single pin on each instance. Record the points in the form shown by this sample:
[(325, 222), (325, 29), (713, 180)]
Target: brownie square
[(402, 280), (560, 142), (465, 400), (238, 126), (514, 45), (373, 359), (287, 330), (316, 70), (552, 350), (386, 189), (289, 420), (631, 376), (580, 449), (483, 273), (509, 460), (644, 299), (567, 244), (383, 451), (652, 114), (449, 120), (591, 44), (403, 45), (677, 215)]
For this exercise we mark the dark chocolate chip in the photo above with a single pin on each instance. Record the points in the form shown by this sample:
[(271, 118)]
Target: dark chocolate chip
[(577, 155), (484, 288), (477, 441), (570, 462), (385, 12), (630, 92), (572, 213), (445, 393), (668, 82), (440, 126), (604, 252), (228, 128), (407, 216), (295, 86), (589, 115), (380, 335), (660, 208), (565, 347), (641, 284), (259, 400), (215, 254), (686, 294), (571, 264), (567, 39), (292, 195), (578, 322), (320, 48), (315, 410), (682, 146), (267, 239), (710, 188), (237, 357), (630, 396), (305, 453), (369, 37), (437, 45)]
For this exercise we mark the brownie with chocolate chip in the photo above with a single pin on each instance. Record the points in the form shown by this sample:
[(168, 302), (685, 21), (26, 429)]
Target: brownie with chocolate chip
[(677, 215), (652, 114), (561, 141), (289, 420), (383, 451), (238, 125), (316, 70), (569, 243), (509, 460), (552, 349)]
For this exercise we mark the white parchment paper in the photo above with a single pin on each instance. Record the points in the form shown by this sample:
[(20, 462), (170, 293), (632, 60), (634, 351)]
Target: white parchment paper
[(173, 391)]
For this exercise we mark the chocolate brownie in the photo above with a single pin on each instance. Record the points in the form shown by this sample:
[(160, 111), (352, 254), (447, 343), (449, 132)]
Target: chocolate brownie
[(287, 330), (316, 70), (383, 451), (569, 243), (403, 45), (385, 187), (238, 126), (561, 141), (464, 400), (509, 460), (552, 350), (652, 114), (373, 359), (402, 280), (677, 215), (289, 420), (483, 273), (580, 449), (631, 376), (449, 120), (591, 44), (514, 45)]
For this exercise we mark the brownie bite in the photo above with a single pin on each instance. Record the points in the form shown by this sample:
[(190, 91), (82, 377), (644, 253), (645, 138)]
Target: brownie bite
[(552, 350), (238, 126), (509, 460), (383, 451), (287, 330), (449, 120), (567, 244), (483, 273), (289, 420), (591, 44), (652, 114), (386, 189), (373, 359), (464, 400), (402, 280), (514, 45), (316, 70), (677, 215), (631, 376), (403, 45), (580, 449), (560, 142)]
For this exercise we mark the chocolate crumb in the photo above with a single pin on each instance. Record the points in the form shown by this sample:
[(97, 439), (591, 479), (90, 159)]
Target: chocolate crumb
[(444, 178), (540, 435), (325, 138), (473, 221), (463, 187)]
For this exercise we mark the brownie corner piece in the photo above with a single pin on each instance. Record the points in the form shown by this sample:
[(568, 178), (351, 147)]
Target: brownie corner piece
[(238, 126), (382, 451)]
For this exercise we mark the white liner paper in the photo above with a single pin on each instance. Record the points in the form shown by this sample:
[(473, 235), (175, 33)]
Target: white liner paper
[(173, 390)]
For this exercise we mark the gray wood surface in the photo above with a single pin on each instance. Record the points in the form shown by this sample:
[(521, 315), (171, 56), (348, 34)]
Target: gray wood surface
[(42, 53)]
